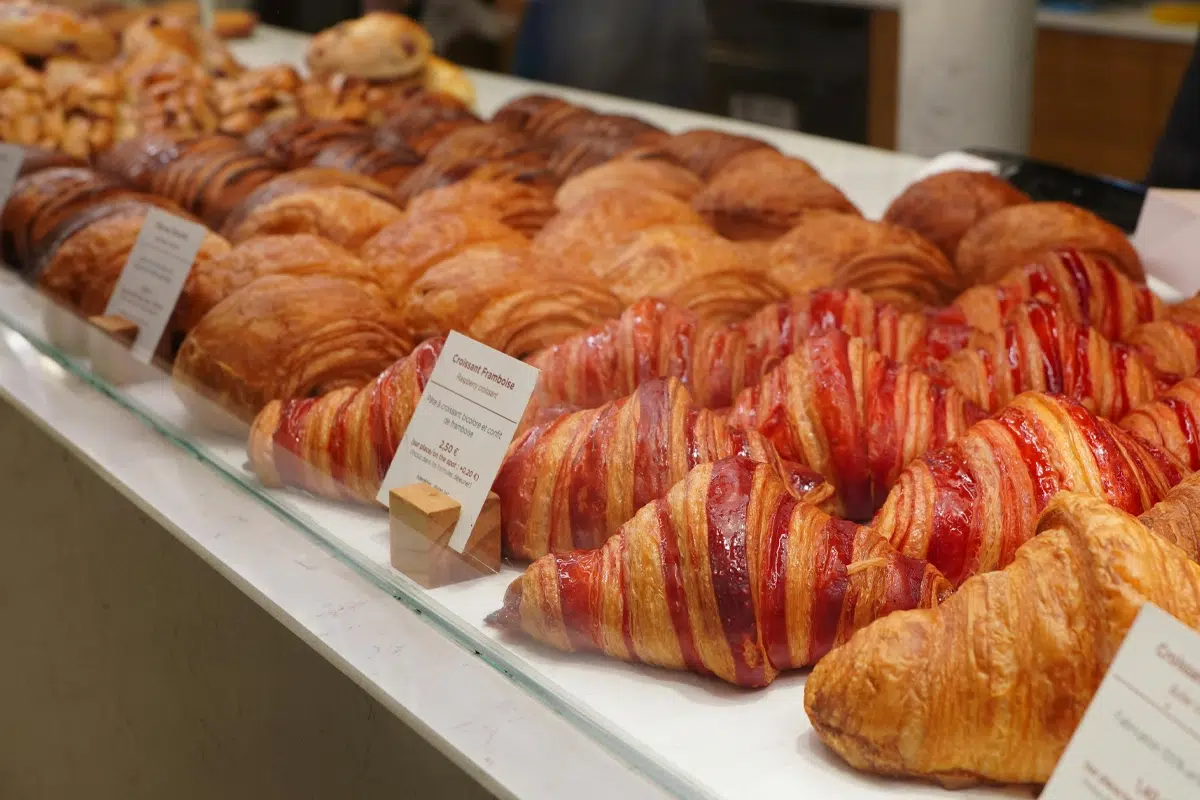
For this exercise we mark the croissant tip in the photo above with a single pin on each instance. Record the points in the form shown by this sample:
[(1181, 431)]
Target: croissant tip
[(508, 616)]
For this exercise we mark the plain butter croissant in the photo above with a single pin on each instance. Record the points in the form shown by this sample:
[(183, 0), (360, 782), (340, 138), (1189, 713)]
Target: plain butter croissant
[(990, 686), (344, 216), (728, 575)]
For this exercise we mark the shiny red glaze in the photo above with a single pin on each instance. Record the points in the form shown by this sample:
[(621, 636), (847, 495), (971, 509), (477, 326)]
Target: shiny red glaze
[(1031, 441), (830, 583), (676, 591), (1073, 262), (1116, 473), (289, 439), (578, 573), (626, 618), (1044, 322), (774, 587), (1121, 356), (587, 483), (337, 444), (379, 422), (510, 485), (727, 508), (883, 439), (1187, 426), (837, 408), (1079, 385), (905, 580), (952, 542), (719, 387)]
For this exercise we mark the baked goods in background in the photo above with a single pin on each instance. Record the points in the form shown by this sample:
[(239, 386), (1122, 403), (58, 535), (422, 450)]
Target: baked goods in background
[(990, 686), (943, 207), (852, 415), (522, 206), (82, 107), (1018, 234), (389, 167), (707, 152), (570, 484), (41, 30), (303, 180), (728, 575), (286, 336), (762, 194), (255, 97), (379, 46), (295, 142), (348, 217), (889, 263), (419, 120), (23, 104), (1171, 423), (447, 78), (623, 173)]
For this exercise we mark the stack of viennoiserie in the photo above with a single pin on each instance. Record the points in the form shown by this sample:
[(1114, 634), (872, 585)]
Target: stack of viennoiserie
[(769, 433)]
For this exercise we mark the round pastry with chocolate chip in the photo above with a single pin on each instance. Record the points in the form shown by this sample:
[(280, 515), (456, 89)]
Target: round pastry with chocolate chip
[(379, 46)]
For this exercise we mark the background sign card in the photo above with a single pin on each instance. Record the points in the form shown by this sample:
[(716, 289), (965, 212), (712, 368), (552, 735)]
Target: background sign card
[(1168, 236), (11, 158), (462, 427), (1140, 737), (153, 277)]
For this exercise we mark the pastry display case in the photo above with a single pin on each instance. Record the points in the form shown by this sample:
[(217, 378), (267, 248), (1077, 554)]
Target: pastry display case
[(794, 421)]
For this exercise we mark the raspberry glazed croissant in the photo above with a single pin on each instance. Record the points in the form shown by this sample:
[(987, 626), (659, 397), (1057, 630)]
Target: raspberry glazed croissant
[(990, 686), (1171, 423), (571, 483), (728, 575), (1085, 287), (967, 507), (853, 416)]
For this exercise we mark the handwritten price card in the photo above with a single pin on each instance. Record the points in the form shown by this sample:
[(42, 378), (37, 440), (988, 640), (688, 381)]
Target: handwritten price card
[(1140, 737), (462, 427)]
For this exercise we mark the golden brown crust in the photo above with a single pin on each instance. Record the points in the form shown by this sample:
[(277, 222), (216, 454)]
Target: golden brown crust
[(44, 30), (887, 262), (522, 207), (1017, 234), (310, 335), (400, 253), (990, 686), (626, 173), (943, 207), (380, 45), (303, 180), (447, 78), (608, 218), (707, 152), (234, 23), (1176, 517), (348, 217), (762, 194)]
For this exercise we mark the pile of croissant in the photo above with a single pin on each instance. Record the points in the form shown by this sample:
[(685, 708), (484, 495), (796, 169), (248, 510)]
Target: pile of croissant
[(81, 83), (768, 434)]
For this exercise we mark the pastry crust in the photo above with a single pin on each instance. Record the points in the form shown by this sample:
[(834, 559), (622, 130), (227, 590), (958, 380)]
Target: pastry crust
[(380, 45), (389, 167), (285, 336), (1015, 235), (689, 266), (295, 142), (348, 217), (990, 686), (607, 219), (303, 180), (43, 31), (401, 253), (889, 263), (943, 207), (421, 119), (520, 206), (444, 77), (707, 152), (762, 194), (625, 173)]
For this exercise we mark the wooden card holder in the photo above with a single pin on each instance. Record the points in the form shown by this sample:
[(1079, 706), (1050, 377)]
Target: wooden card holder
[(108, 348), (422, 519)]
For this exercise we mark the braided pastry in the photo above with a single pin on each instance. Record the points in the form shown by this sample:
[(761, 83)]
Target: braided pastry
[(728, 575)]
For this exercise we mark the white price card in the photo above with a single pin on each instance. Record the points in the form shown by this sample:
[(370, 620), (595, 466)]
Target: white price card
[(957, 160), (462, 427), (1168, 235), (11, 158), (1140, 737), (153, 276)]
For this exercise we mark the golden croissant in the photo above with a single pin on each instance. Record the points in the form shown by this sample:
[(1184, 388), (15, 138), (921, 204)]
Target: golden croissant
[(990, 686), (573, 482), (852, 415), (728, 575), (967, 507)]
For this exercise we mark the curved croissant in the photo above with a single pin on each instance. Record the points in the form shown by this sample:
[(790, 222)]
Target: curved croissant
[(571, 484), (1086, 288), (620, 173), (341, 444), (653, 339), (728, 575), (990, 686), (1171, 423), (967, 507), (853, 416)]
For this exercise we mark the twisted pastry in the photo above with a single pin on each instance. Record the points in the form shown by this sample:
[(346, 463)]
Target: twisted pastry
[(852, 415), (1085, 287), (990, 686), (968, 506), (572, 483), (341, 444), (728, 575), (1171, 423), (652, 339)]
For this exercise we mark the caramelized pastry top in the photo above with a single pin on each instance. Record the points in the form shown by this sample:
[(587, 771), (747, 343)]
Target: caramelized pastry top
[(629, 173), (348, 217)]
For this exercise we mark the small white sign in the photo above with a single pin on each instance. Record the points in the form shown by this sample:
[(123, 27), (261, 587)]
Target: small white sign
[(957, 160), (153, 277), (11, 158), (462, 427), (1168, 237), (1140, 737)]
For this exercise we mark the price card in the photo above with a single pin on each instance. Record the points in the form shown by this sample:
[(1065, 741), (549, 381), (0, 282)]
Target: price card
[(462, 427), (153, 277), (1167, 235), (1140, 737), (11, 158)]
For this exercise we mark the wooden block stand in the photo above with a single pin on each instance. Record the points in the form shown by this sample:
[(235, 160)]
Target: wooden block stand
[(108, 348), (422, 519)]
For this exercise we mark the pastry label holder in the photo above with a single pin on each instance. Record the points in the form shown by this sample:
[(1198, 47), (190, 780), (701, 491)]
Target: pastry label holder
[(11, 159), (152, 279), (1140, 737), (1168, 235), (445, 522)]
